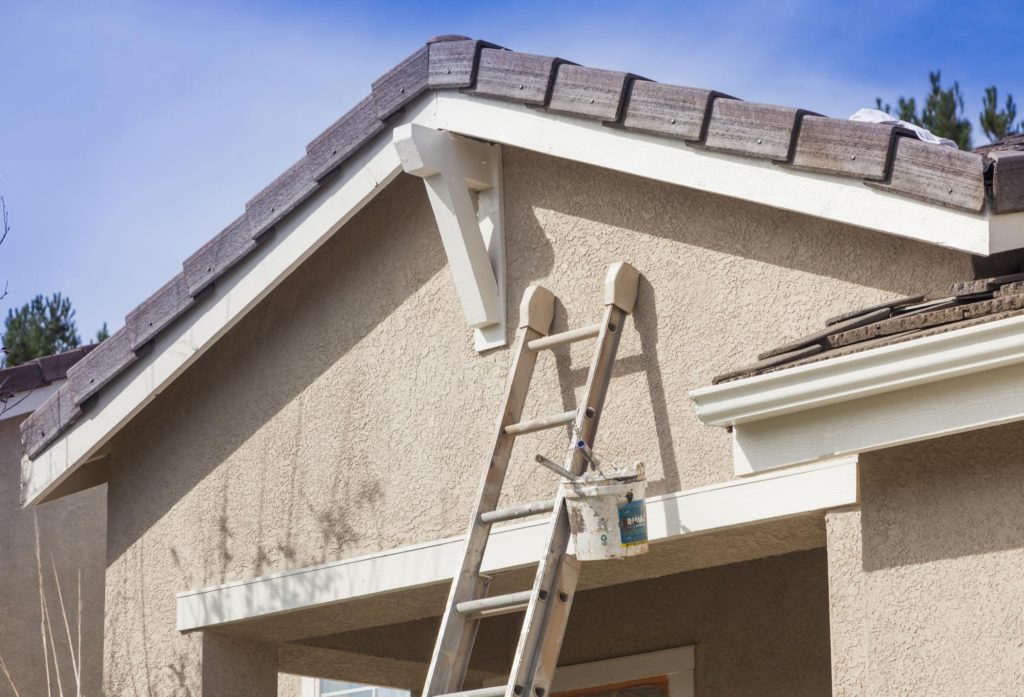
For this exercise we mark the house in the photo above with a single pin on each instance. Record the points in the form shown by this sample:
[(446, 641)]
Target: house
[(291, 431), (51, 556)]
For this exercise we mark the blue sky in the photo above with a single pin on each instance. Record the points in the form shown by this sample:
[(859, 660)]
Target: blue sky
[(132, 132)]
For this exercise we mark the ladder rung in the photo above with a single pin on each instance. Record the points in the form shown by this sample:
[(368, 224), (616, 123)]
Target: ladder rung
[(514, 512), (496, 691), (497, 605), (569, 337), (540, 424)]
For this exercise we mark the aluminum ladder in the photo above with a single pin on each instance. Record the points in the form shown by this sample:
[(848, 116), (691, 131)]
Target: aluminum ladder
[(548, 603)]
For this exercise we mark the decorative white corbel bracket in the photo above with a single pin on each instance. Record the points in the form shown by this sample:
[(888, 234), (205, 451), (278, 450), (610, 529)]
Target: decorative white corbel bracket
[(463, 180)]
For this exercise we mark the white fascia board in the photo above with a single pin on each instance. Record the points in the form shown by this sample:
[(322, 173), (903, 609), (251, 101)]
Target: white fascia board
[(231, 298), (961, 380), (840, 199), (27, 401), (771, 496), (921, 412), (857, 375)]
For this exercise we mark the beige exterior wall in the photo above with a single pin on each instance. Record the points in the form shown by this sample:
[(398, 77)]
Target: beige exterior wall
[(348, 413), (71, 539), (925, 579)]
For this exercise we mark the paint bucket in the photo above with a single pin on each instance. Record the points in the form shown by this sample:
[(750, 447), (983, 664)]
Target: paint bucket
[(607, 514)]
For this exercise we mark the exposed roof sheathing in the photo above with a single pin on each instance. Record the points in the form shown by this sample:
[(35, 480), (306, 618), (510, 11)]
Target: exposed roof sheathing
[(877, 155)]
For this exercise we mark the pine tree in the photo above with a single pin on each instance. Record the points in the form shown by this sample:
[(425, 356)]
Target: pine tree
[(996, 123), (942, 114), (40, 327)]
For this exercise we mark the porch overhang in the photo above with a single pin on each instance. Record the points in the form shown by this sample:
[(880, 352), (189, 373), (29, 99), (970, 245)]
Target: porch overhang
[(935, 386), (777, 496)]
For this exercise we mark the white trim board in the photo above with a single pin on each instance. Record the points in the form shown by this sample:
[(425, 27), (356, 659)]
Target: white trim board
[(377, 163), (738, 502), (939, 385), (760, 181)]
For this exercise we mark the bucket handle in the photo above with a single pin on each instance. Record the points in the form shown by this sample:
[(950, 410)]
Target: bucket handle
[(557, 469)]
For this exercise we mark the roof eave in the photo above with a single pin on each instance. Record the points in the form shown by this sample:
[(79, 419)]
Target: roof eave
[(214, 313), (825, 196), (925, 388), (135, 374)]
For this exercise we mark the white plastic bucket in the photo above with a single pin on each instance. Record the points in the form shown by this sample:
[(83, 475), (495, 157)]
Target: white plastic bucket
[(608, 517)]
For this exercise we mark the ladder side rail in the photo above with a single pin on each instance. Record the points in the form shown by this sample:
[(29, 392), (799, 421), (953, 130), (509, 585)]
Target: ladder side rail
[(540, 637), (450, 659)]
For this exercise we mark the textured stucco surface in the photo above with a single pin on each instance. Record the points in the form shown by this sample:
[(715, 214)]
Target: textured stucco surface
[(235, 666), (925, 579), (759, 627), (349, 413), (72, 538)]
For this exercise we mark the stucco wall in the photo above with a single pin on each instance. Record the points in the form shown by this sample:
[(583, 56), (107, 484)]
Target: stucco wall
[(925, 579), (71, 539), (349, 412)]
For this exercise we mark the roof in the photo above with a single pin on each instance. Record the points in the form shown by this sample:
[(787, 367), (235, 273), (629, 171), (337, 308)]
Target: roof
[(1010, 144), (878, 155), (969, 303), (40, 371)]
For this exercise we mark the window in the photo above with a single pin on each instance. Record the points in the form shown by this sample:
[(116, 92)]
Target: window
[(313, 687), (666, 673)]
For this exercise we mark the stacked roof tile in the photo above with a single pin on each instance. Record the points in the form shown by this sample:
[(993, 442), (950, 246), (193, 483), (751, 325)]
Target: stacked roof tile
[(39, 371), (968, 303), (879, 155)]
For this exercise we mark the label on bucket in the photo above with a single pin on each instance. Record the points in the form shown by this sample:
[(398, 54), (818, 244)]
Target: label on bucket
[(633, 523)]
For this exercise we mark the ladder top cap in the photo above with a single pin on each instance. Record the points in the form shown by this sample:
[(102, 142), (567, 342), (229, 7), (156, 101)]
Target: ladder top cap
[(620, 286), (537, 309)]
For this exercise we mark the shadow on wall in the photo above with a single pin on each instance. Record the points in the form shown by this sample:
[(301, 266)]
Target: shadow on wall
[(336, 300), (644, 321), (370, 269), (941, 499), (732, 227), (286, 366), (305, 326)]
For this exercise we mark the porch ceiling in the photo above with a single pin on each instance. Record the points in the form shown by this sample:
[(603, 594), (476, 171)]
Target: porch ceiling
[(685, 604)]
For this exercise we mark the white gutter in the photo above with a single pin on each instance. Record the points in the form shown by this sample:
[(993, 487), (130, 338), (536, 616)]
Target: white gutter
[(948, 383), (738, 502)]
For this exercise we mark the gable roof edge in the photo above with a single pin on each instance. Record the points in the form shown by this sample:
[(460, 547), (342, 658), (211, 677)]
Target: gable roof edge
[(467, 78), (214, 313)]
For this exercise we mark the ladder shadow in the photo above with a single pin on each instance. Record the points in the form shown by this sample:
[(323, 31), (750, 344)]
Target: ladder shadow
[(645, 324)]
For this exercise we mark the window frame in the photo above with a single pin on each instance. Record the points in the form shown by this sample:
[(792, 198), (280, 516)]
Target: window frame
[(674, 666)]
